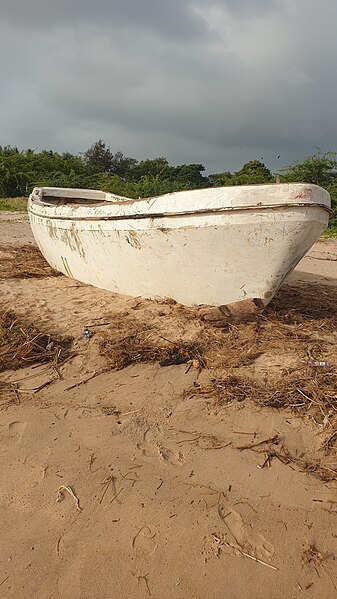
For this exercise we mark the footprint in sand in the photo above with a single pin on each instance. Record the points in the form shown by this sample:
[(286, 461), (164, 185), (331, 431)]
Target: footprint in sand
[(144, 542), (176, 458), (149, 450), (151, 447), (252, 542), (156, 450), (12, 433), (38, 460)]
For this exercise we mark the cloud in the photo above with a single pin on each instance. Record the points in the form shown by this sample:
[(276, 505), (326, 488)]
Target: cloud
[(216, 82), (174, 18)]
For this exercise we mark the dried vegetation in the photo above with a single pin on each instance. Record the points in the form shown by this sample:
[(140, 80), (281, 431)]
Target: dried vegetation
[(266, 360), (24, 262), (22, 344), (133, 341), (300, 324)]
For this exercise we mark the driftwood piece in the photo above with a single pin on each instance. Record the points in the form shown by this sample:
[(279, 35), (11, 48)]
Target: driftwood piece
[(242, 311)]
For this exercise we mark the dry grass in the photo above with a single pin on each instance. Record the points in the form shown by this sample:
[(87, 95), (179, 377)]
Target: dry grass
[(23, 262), (13, 204), (305, 390), (311, 556), (300, 322), (274, 448), (133, 341), (300, 326), (22, 344)]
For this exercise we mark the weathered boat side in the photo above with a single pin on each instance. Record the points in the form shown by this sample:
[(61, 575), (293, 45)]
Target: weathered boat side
[(214, 246)]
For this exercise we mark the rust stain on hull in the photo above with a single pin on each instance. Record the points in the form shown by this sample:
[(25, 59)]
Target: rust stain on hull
[(70, 236), (133, 239)]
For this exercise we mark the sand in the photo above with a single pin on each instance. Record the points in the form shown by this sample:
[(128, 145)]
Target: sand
[(128, 484)]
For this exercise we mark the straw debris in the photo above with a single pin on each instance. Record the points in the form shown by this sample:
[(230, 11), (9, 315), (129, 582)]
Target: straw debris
[(311, 556), (274, 448), (23, 344), (297, 322), (267, 360), (22, 262), (313, 390), (133, 341)]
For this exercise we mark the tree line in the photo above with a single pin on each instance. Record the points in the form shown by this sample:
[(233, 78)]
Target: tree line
[(100, 168)]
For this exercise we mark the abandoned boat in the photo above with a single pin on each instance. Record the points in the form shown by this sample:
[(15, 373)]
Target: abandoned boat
[(206, 246)]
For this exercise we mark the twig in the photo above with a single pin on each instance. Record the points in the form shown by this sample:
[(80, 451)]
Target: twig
[(274, 439), (255, 559), (168, 340), (57, 370), (115, 497), (84, 380), (4, 580), (219, 446), (329, 442), (44, 385), (58, 545), (266, 462), (109, 481), (304, 395), (29, 340), (132, 412), (15, 391)]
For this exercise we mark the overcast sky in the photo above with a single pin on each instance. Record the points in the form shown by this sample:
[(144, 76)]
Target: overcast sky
[(219, 82)]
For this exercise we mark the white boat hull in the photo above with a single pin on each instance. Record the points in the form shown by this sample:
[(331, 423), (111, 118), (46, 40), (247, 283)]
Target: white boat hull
[(211, 255)]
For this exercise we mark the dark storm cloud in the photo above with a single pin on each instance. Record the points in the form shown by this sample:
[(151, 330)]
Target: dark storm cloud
[(174, 18), (217, 81)]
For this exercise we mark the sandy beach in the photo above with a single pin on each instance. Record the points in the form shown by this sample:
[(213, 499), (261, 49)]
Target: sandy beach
[(138, 482)]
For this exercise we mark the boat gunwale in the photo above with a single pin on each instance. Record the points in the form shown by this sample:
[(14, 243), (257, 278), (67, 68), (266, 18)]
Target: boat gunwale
[(156, 215)]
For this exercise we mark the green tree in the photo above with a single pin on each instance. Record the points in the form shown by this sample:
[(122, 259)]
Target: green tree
[(188, 176), (319, 169), (156, 167), (121, 164), (99, 157), (252, 173), (220, 179)]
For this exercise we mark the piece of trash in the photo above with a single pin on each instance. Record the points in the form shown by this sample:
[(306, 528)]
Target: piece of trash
[(60, 495), (87, 334), (323, 364)]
